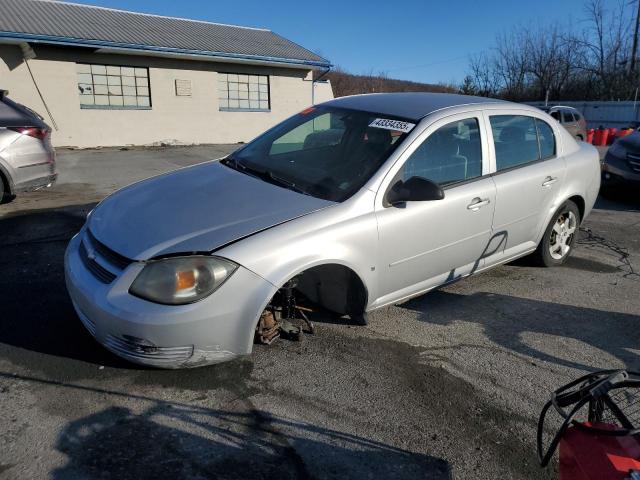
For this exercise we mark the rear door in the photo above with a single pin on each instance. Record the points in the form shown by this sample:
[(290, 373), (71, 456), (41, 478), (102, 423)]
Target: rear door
[(528, 174)]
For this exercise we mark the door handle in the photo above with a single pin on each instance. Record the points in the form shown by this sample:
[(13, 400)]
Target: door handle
[(478, 203), (549, 181)]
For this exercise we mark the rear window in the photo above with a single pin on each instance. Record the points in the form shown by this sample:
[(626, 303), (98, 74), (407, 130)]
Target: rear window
[(519, 140)]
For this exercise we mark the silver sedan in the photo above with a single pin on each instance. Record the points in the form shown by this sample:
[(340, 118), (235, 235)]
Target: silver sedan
[(348, 206)]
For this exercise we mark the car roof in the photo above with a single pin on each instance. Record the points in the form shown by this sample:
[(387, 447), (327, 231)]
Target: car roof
[(565, 107), (13, 114), (408, 105)]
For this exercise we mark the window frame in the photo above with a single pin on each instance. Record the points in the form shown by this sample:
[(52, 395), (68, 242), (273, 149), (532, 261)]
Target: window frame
[(422, 131), (115, 107), (243, 109), (448, 185), (526, 113)]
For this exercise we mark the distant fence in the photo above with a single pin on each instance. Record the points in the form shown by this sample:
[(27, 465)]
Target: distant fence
[(607, 114)]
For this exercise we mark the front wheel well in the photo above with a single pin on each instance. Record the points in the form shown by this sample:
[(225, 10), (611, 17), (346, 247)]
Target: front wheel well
[(334, 287)]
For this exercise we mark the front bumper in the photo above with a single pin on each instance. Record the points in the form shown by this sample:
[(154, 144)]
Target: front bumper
[(215, 329), (616, 171)]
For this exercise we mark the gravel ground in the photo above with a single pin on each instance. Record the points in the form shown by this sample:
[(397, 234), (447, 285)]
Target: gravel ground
[(446, 385)]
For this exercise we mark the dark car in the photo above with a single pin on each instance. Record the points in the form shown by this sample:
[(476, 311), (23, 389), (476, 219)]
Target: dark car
[(621, 164), (27, 159)]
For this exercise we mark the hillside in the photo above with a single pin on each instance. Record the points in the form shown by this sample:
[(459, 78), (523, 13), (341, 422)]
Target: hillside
[(344, 83)]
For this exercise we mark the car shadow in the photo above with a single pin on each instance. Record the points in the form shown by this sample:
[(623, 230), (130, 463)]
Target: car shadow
[(168, 440), (507, 321), (620, 199), (37, 314)]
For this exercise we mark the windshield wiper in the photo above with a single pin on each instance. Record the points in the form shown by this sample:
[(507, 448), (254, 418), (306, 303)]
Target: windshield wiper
[(267, 175), (284, 183)]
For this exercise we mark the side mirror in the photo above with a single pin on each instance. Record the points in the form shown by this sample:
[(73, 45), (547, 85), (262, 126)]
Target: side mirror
[(416, 189)]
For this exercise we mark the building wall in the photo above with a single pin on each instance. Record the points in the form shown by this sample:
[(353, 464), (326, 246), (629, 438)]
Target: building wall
[(171, 119)]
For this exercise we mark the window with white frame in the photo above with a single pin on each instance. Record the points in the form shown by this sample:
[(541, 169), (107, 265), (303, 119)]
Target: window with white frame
[(243, 92), (110, 86)]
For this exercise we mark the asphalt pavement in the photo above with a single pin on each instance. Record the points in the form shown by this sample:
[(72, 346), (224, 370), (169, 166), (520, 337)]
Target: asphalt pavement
[(446, 385)]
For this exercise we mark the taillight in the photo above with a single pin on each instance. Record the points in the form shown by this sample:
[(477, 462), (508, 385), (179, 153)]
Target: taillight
[(40, 133)]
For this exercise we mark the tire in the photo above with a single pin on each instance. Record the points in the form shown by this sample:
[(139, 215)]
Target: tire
[(2, 189), (559, 237)]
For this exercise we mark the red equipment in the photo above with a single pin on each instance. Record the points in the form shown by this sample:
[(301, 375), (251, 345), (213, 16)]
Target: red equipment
[(613, 133), (606, 444), (585, 456), (624, 132), (590, 133), (598, 138)]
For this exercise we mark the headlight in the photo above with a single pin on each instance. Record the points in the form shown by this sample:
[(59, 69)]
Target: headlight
[(180, 280), (617, 150)]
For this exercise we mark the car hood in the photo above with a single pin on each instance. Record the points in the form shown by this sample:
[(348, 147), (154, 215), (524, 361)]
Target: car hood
[(196, 209), (631, 142)]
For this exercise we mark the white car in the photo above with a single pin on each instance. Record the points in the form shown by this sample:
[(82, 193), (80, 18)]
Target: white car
[(352, 205)]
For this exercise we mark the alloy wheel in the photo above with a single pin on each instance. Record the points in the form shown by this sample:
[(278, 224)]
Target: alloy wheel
[(562, 235)]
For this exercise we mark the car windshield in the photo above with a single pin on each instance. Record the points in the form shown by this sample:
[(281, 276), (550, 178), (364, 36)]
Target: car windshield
[(324, 152)]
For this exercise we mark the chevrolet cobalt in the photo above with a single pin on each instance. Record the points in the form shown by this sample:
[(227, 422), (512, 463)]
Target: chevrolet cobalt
[(350, 205)]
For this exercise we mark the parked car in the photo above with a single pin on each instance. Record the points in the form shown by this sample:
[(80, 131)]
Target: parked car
[(27, 159), (569, 118), (621, 165), (354, 204)]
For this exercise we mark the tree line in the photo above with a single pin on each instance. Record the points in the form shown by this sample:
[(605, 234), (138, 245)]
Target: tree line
[(344, 83), (593, 58)]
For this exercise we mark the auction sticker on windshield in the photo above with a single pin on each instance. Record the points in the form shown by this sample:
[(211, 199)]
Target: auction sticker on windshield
[(392, 125)]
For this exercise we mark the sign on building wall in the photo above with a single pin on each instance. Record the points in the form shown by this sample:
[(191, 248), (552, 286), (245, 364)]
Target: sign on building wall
[(183, 88)]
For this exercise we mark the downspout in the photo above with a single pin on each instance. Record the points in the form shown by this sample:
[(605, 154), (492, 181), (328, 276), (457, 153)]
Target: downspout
[(313, 85), (29, 54)]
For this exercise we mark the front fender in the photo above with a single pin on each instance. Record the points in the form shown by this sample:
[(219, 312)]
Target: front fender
[(346, 235)]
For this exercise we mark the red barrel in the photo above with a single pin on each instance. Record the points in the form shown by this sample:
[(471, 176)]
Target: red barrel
[(597, 138), (590, 133), (624, 132), (613, 133)]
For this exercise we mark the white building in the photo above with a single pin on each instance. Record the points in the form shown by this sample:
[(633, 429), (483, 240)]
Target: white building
[(103, 77)]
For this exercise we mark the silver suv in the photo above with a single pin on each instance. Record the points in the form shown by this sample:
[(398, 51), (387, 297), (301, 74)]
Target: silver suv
[(27, 159), (570, 118)]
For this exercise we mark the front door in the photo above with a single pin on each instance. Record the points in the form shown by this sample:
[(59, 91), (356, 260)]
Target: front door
[(425, 244)]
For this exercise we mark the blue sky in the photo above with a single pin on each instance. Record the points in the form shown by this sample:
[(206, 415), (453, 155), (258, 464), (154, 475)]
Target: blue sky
[(428, 41)]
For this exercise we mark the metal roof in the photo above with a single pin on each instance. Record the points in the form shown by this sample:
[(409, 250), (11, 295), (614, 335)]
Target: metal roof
[(407, 105), (63, 23)]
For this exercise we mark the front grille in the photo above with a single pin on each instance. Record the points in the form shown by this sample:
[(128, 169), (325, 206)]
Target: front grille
[(109, 255), (101, 273), (634, 161), (149, 354)]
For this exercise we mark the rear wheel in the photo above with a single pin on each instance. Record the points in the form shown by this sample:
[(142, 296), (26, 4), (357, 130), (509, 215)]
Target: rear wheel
[(559, 237), (2, 189)]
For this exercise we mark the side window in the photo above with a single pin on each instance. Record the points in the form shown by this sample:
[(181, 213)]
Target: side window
[(323, 131), (567, 116), (451, 154), (519, 140), (546, 139), (555, 114), (515, 140)]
